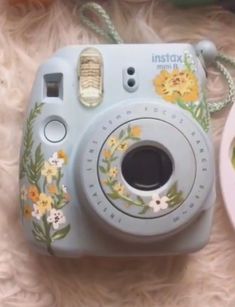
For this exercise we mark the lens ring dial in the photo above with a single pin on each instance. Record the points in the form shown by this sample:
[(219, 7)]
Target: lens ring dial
[(150, 124)]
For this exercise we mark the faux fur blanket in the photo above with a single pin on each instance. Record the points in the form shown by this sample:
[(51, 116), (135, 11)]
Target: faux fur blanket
[(27, 36)]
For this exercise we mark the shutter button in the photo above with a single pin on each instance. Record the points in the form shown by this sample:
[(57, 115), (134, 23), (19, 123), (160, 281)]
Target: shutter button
[(55, 131)]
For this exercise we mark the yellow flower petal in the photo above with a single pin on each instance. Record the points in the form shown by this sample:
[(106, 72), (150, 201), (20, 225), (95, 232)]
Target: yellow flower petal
[(33, 193), (62, 155), (135, 131), (123, 146), (49, 171), (44, 203), (112, 141), (178, 85), (107, 154)]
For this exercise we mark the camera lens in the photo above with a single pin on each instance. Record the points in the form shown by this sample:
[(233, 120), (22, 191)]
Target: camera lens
[(147, 168)]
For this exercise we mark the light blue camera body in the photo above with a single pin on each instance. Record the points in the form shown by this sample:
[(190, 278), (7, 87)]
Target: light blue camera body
[(117, 158)]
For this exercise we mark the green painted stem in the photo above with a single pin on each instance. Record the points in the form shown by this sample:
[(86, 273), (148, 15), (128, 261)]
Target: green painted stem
[(49, 249), (47, 228), (58, 179), (118, 144), (44, 185), (37, 186), (123, 197)]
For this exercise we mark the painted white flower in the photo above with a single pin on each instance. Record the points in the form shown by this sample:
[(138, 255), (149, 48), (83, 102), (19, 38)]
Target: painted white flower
[(23, 193), (64, 188), (56, 217), (56, 161), (158, 203), (36, 212)]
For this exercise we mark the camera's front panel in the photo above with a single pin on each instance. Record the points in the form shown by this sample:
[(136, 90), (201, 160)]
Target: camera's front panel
[(116, 136)]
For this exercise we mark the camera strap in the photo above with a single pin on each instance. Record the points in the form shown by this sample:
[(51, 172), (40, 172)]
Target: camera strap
[(104, 27)]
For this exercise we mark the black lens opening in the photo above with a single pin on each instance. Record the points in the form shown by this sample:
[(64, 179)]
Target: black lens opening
[(147, 168)]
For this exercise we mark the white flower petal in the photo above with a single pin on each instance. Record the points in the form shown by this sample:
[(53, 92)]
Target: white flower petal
[(152, 204), (36, 213), (164, 205), (64, 188), (63, 220), (55, 155), (53, 211), (156, 197), (164, 198), (156, 208), (50, 219), (55, 225)]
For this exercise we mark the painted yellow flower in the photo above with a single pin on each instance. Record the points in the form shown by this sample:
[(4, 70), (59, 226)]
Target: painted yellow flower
[(178, 85), (62, 155), (123, 146), (119, 188), (112, 141), (105, 182), (113, 172), (135, 131), (27, 210), (33, 193), (52, 188), (44, 203), (107, 154), (49, 171)]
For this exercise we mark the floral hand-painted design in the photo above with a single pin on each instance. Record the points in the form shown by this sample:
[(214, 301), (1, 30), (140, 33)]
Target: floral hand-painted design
[(45, 195), (181, 87), (157, 203), (116, 190), (178, 85)]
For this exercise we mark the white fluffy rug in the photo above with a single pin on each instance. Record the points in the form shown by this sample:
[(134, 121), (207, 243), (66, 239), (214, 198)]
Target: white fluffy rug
[(207, 278)]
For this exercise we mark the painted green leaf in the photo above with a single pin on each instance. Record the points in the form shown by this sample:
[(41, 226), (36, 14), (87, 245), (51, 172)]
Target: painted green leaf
[(175, 196), (35, 166), (129, 129), (186, 63), (38, 230), (113, 195), (113, 159), (102, 169), (233, 158), (60, 204), (60, 234), (59, 201), (172, 191), (113, 182), (121, 134), (38, 237), (140, 199), (144, 210), (198, 111), (28, 137)]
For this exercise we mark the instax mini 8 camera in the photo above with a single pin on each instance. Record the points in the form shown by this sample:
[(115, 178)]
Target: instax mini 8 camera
[(117, 158)]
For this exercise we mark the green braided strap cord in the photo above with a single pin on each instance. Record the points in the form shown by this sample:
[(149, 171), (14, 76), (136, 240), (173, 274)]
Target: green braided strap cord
[(219, 105), (107, 30)]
